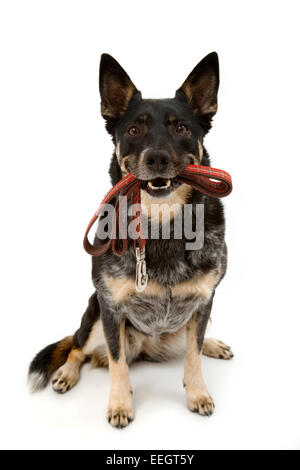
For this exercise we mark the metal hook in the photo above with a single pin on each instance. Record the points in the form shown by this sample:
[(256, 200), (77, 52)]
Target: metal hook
[(141, 279)]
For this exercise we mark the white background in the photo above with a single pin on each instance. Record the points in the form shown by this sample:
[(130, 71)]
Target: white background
[(55, 155)]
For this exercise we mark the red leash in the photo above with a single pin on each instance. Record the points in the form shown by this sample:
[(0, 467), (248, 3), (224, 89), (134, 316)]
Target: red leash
[(209, 181), (127, 186)]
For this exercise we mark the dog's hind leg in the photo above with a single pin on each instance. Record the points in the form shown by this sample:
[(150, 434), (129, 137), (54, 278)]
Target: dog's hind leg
[(65, 356), (86, 340), (68, 374), (215, 348), (47, 361), (173, 346)]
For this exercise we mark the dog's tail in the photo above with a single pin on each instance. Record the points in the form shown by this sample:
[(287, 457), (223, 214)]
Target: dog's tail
[(47, 361)]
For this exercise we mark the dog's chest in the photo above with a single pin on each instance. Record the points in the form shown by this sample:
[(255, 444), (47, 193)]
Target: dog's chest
[(159, 308), (164, 313), (175, 290), (180, 282)]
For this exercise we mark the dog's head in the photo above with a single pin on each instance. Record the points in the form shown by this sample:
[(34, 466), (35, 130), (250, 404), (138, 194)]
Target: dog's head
[(156, 139)]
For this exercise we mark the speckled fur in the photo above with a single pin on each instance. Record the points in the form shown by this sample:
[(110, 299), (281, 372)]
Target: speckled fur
[(168, 264)]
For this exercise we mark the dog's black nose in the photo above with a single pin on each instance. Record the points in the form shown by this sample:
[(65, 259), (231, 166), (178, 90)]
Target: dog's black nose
[(158, 160)]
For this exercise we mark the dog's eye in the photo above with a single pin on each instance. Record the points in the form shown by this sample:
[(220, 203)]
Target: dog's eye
[(182, 129), (133, 131)]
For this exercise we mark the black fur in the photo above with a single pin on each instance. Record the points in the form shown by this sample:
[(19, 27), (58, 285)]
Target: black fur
[(202, 317), (111, 326), (40, 362), (91, 315)]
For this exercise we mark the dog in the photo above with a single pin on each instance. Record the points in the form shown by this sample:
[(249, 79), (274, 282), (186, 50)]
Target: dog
[(155, 139)]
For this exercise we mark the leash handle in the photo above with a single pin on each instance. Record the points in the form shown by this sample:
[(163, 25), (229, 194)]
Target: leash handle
[(209, 181), (125, 187)]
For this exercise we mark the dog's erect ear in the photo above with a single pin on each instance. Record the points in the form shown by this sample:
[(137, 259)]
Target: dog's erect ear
[(201, 87), (116, 88)]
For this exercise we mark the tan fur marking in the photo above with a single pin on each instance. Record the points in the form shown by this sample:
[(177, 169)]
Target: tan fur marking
[(122, 96), (198, 398), (161, 210), (213, 108), (106, 111), (130, 92), (95, 338), (142, 118), (201, 286), (122, 288), (118, 153), (127, 159), (197, 98), (174, 156), (200, 149), (143, 155), (60, 353), (187, 91), (120, 411), (194, 158), (76, 356)]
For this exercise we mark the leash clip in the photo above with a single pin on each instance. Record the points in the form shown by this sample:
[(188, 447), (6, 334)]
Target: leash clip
[(141, 278)]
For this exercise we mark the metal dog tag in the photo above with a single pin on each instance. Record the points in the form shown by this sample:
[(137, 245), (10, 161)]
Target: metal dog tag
[(141, 278)]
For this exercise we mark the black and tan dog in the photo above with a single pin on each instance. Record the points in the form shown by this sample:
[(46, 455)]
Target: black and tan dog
[(155, 140)]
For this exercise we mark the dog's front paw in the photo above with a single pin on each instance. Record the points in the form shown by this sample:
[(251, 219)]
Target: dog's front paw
[(201, 403), (120, 413)]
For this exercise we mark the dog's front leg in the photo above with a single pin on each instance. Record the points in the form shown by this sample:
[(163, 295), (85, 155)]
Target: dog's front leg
[(120, 410), (198, 398)]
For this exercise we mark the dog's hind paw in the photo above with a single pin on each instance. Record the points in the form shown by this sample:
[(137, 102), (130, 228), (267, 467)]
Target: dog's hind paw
[(215, 348), (65, 378)]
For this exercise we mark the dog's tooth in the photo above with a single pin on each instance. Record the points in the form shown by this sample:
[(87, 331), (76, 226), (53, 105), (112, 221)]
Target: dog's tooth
[(157, 188)]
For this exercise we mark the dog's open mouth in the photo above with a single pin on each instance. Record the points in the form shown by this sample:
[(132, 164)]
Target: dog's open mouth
[(159, 187), (159, 183)]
